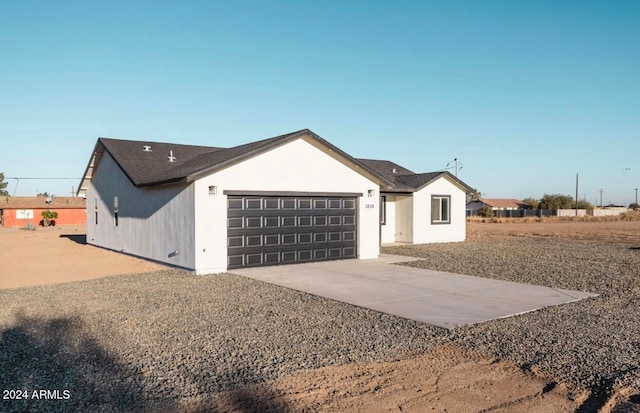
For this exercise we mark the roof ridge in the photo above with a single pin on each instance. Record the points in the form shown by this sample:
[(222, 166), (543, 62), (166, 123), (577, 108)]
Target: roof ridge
[(189, 168), (158, 143)]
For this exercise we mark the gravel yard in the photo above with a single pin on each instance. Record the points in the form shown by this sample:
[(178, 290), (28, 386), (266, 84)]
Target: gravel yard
[(137, 342), (594, 343), (155, 340)]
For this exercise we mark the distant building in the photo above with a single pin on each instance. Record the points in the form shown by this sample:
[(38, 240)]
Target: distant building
[(18, 211), (496, 204)]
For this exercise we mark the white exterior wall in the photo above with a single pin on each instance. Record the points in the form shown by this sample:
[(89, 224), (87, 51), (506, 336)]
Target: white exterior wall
[(155, 223), (388, 231), (404, 218), (609, 212), (571, 212), (423, 230), (299, 166)]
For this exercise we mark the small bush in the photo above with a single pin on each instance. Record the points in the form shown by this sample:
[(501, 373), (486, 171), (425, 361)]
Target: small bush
[(630, 216), (29, 227), (486, 212), (48, 218)]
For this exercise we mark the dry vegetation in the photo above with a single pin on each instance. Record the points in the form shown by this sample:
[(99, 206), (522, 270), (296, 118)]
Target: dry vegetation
[(627, 216)]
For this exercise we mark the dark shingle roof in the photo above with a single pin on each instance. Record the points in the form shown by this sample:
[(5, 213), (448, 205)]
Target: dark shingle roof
[(404, 179), (207, 162), (417, 181), (152, 167), (386, 168), (143, 167), (148, 168)]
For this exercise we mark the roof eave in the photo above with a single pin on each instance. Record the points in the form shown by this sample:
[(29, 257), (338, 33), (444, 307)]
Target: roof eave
[(169, 181), (466, 188), (274, 144), (115, 159), (383, 181)]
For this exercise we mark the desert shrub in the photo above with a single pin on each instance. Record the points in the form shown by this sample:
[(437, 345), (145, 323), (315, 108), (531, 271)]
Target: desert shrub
[(29, 227), (630, 216), (486, 212), (48, 218)]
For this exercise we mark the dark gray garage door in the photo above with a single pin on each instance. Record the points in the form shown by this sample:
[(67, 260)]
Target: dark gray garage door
[(271, 230)]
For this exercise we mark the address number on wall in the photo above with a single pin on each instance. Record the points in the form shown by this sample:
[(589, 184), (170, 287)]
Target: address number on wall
[(370, 206)]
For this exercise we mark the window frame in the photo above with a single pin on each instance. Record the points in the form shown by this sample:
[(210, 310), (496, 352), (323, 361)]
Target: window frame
[(439, 199), (383, 210)]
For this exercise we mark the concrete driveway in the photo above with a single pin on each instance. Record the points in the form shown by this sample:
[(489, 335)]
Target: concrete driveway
[(439, 298)]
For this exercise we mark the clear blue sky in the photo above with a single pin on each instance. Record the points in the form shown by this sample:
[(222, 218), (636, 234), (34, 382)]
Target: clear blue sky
[(524, 93)]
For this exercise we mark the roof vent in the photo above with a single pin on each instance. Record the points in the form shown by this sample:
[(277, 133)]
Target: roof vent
[(146, 148), (394, 171), (171, 158)]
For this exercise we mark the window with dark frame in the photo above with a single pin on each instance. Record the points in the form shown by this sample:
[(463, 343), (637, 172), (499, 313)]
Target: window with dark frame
[(383, 210), (440, 209)]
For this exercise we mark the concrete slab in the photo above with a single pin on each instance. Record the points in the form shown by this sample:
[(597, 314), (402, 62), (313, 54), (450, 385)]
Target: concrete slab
[(439, 298)]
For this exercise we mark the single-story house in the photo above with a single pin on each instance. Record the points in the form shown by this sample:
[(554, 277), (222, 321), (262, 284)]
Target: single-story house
[(18, 211), (288, 199), (496, 204)]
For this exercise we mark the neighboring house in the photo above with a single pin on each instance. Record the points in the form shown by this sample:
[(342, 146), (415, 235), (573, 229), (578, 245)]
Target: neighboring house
[(18, 211), (496, 204), (289, 199)]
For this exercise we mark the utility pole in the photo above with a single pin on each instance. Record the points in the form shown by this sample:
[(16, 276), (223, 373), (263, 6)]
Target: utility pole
[(636, 196), (601, 191), (576, 194)]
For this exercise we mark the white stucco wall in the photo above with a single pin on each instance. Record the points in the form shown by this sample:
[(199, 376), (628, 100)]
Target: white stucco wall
[(299, 165), (388, 231), (399, 227), (423, 230), (404, 218), (155, 223)]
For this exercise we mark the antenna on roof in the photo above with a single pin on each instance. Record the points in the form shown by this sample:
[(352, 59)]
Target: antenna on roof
[(171, 158), (146, 148), (457, 165)]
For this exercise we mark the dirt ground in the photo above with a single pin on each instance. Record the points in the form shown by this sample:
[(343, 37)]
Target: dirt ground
[(59, 254), (443, 379), (607, 231)]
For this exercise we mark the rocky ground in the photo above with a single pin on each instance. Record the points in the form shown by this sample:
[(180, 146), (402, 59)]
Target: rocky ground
[(593, 344), (170, 341)]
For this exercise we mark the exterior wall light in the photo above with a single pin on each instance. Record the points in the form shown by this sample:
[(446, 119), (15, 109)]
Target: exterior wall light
[(371, 192), (213, 190)]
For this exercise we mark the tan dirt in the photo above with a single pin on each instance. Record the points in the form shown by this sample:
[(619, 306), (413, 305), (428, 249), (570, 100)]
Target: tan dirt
[(443, 379), (59, 254), (607, 231)]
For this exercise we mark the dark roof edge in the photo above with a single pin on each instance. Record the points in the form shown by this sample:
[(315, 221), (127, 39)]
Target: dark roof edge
[(449, 176), (106, 149), (267, 144), (86, 170), (275, 142), (355, 161)]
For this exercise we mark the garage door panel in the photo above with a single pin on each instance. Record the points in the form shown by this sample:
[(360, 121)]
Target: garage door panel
[(268, 230)]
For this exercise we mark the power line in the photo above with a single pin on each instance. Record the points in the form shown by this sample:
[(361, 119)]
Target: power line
[(37, 178), (32, 178)]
